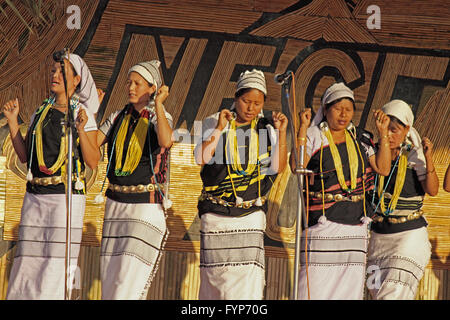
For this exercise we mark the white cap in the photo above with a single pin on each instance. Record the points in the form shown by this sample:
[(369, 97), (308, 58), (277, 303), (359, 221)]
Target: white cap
[(401, 110), (252, 79), (88, 91), (149, 70), (335, 92)]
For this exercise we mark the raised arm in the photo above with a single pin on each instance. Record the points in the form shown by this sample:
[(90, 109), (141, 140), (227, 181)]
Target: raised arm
[(447, 179), (205, 151), (164, 131), (280, 153), (305, 121)]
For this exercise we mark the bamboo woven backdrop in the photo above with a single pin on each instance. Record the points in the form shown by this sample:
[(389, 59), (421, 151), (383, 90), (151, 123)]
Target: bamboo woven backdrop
[(16, 79)]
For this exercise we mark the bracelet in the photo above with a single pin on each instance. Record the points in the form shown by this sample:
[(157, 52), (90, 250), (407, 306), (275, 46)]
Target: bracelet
[(301, 139), (385, 136)]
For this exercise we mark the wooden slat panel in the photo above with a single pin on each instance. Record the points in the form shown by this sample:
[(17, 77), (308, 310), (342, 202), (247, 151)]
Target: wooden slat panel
[(56, 37), (170, 46), (185, 188), (434, 285), (422, 25), (273, 6), (324, 8), (14, 200)]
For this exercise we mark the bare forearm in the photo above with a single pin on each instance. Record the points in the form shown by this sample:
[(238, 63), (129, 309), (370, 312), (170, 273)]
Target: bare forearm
[(17, 140), (89, 149), (208, 147), (101, 138), (431, 183), (382, 162), (383, 159), (280, 154)]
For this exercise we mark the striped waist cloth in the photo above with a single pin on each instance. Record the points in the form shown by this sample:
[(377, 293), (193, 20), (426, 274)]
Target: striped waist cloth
[(403, 204)]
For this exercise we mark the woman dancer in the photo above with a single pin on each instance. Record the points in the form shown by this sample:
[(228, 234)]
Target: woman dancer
[(340, 156), (399, 249), (242, 151), (38, 271), (134, 231), (446, 185)]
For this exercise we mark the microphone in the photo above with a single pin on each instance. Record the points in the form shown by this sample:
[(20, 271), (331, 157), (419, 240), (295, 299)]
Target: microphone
[(282, 77)]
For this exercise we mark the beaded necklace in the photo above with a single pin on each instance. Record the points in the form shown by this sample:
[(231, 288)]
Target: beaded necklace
[(37, 134), (144, 117), (402, 160), (135, 147)]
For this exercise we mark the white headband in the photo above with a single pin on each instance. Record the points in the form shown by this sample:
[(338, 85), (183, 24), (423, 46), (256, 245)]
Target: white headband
[(401, 110), (251, 79)]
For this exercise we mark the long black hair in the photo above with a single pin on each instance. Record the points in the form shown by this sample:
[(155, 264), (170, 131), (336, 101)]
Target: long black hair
[(395, 120), (330, 104)]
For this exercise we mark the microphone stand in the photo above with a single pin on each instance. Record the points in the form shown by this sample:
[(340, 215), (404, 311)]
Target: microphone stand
[(69, 124), (300, 173)]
